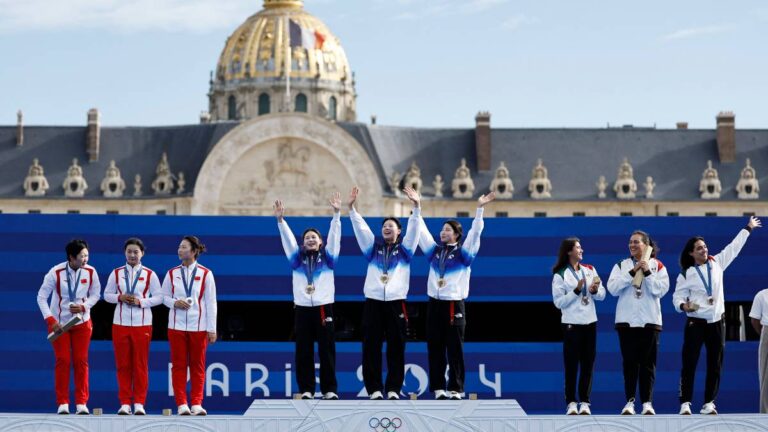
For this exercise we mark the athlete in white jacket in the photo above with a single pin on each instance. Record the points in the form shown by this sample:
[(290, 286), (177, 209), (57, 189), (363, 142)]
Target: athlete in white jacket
[(386, 288)]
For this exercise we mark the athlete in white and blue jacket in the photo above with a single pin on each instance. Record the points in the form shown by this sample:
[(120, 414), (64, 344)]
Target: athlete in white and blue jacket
[(386, 287), (312, 267), (447, 287)]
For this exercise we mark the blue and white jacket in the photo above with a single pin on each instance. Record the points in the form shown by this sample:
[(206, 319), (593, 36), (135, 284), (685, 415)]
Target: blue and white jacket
[(395, 259), (458, 259), (325, 262)]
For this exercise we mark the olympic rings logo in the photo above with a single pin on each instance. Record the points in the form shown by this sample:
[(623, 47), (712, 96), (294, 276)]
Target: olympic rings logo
[(385, 424)]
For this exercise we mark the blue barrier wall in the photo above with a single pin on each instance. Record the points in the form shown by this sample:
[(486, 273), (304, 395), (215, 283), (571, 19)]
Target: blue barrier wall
[(245, 254)]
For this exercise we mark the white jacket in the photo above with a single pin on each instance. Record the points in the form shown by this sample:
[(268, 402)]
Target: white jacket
[(689, 285), (646, 310), (86, 286), (570, 304), (201, 316), (325, 261), (458, 260), (147, 289), (398, 260)]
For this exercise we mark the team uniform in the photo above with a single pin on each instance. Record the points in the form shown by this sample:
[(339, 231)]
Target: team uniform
[(384, 312), (132, 328), (703, 285), (65, 286), (579, 325), (313, 296), (447, 287), (759, 311), (188, 329), (638, 323)]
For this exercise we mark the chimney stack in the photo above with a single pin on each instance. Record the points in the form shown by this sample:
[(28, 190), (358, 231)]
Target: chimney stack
[(682, 125), (19, 129), (93, 137), (726, 136), (483, 140)]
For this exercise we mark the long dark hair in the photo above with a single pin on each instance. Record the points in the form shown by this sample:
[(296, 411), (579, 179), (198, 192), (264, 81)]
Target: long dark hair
[(686, 260), (647, 240), (456, 227), (566, 246)]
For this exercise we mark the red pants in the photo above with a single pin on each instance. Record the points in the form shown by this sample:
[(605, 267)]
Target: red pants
[(188, 350), (72, 347), (132, 358)]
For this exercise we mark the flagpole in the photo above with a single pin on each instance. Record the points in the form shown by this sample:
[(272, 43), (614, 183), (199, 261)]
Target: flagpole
[(288, 65)]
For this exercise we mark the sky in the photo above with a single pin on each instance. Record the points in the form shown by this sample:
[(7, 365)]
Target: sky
[(421, 63)]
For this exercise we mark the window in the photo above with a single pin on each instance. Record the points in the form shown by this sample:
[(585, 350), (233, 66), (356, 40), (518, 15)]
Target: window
[(502, 214), (113, 212), (332, 108), (161, 212), (232, 108), (73, 211), (710, 214), (539, 214), (745, 213), (301, 103), (673, 213), (263, 104), (625, 214), (579, 214), (34, 211), (462, 214)]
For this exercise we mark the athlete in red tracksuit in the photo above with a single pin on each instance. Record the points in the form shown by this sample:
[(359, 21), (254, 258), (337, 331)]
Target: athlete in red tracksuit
[(73, 287), (135, 289), (190, 292)]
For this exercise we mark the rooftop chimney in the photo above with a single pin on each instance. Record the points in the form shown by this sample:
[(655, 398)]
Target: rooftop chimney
[(483, 140), (19, 129), (93, 137), (726, 136), (682, 125)]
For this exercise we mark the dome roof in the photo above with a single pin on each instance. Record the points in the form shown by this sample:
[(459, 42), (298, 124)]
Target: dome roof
[(258, 48)]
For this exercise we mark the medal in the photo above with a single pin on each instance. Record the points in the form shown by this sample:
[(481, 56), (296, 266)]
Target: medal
[(310, 289), (189, 300), (584, 300), (711, 300), (384, 278), (638, 293), (441, 282)]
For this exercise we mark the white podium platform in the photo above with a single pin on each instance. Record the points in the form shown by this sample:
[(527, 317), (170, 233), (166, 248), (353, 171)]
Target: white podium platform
[(381, 416)]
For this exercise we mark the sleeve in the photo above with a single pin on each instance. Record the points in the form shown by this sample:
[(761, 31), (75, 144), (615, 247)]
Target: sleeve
[(155, 292), (411, 239), (426, 241), (682, 292), (334, 237), (727, 255), (110, 291), (600, 295), (757, 307), (49, 283), (472, 243), (94, 292), (166, 291), (562, 296), (210, 303), (363, 233), (618, 280), (658, 282), (290, 247)]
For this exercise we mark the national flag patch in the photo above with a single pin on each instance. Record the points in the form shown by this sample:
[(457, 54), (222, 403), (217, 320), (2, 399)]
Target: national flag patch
[(84, 281), (141, 278), (197, 277)]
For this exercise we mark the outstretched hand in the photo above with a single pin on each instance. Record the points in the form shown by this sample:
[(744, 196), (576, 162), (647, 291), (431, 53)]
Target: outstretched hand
[(279, 210), (485, 199), (335, 202), (754, 222), (353, 196), (413, 196)]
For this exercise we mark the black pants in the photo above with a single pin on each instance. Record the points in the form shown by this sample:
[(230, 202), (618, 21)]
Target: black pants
[(384, 319), (579, 347), (446, 321), (639, 346), (312, 325), (698, 332)]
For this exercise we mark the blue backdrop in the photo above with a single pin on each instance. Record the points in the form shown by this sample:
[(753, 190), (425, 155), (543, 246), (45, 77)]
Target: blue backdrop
[(245, 254)]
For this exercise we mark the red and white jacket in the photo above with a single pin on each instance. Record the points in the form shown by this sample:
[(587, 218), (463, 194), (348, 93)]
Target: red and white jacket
[(87, 292), (201, 316), (147, 289)]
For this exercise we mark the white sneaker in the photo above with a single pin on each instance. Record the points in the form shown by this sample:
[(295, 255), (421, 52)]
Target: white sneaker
[(307, 395), (63, 409), (198, 410), (709, 409), (648, 409), (629, 408), (331, 396), (183, 410), (572, 409), (685, 408), (138, 409), (393, 396), (454, 395), (441, 395), (124, 410), (81, 409), (377, 395), (584, 409)]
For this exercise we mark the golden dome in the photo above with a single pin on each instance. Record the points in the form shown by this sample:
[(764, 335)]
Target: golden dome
[(258, 48)]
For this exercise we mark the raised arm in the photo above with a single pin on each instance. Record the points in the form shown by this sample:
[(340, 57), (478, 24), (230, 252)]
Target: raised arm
[(472, 244), (411, 238), (334, 233), (727, 255), (290, 247), (363, 234)]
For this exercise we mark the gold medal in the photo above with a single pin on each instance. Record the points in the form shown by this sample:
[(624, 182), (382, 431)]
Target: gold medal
[(441, 282), (310, 289), (384, 278)]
